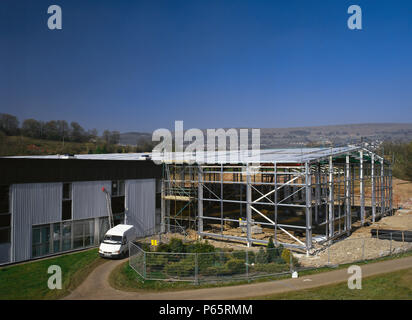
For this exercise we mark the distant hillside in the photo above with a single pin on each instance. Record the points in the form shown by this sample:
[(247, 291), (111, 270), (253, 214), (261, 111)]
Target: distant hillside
[(374, 133), (19, 145), (134, 138)]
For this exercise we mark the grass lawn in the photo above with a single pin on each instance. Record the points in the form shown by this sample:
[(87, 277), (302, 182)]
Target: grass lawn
[(29, 280), (394, 286)]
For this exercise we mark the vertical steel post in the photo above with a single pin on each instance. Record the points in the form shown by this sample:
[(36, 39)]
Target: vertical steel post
[(331, 199), (275, 178), (348, 196), (390, 190), (362, 189), (317, 193), (373, 187), (196, 268), (221, 199), (382, 188), (248, 205), (308, 192), (200, 200), (144, 265), (247, 264), (162, 206)]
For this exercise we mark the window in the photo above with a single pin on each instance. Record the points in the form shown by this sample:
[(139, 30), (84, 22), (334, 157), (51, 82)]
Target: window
[(118, 205), (118, 218), (83, 233), (118, 201), (117, 188), (62, 236), (67, 191), (67, 202), (4, 199), (4, 235), (66, 236), (158, 200), (41, 240), (57, 236), (67, 210), (5, 216)]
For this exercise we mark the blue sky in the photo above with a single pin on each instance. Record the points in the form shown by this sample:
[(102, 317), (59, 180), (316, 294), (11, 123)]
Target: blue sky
[(140, 65)]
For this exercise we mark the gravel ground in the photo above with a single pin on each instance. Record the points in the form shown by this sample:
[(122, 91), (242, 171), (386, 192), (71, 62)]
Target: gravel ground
[(360, 245)]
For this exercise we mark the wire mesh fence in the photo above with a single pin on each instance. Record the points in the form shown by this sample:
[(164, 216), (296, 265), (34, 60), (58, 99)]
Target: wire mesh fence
[(223, 265)]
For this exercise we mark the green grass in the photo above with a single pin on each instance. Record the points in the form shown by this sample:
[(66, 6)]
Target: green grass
[(123, 277), (393, 286), (29, 280)]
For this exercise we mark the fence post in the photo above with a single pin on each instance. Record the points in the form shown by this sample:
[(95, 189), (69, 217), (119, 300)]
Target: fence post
[(290, 262), (390, 250), (144, 265), (328, 255), (247, 266), (363, 249), (196, 269)]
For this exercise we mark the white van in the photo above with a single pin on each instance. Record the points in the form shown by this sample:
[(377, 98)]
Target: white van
[(116, 241)]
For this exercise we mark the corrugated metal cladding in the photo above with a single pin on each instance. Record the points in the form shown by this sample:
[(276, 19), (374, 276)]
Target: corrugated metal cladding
[(32, 204), (141, 204), (88, 199)]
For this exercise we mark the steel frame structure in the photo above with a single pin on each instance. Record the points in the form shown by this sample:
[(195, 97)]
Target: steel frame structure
[(302, 202)]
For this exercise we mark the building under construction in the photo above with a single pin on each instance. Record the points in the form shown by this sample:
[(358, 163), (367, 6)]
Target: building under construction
[(302, 198)]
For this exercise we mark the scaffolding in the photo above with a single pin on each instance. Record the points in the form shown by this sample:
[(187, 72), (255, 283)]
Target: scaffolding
[(302, 198)]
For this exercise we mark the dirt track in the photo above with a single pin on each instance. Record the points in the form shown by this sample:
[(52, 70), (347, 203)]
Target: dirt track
[(96, 286)]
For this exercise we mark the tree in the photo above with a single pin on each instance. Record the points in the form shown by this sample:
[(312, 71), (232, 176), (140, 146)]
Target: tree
[(32, 128), (9, 124), (77, 132), (63, 129), (92, 134), (51, 130), (114, 137), (106, 136), (271, 251)]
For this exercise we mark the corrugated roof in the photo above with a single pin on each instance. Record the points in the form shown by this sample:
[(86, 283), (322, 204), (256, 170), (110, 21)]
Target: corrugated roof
[(294, 155)]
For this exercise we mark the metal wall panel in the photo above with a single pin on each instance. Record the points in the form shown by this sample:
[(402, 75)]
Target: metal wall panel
[(88, 199), (33, 203), (4, 253), (141, 204)]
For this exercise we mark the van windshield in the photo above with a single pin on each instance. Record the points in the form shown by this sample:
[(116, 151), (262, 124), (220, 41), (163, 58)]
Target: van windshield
[(112, 239)]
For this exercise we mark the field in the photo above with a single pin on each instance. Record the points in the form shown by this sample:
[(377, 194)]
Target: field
[(392, 286), (29, 280)]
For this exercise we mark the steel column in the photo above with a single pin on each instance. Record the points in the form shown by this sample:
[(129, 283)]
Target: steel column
[(331, 198), (362, 189), (308, 208), (248, 205)]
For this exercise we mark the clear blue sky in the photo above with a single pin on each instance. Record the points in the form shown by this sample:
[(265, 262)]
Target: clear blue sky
[(140, 65)]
